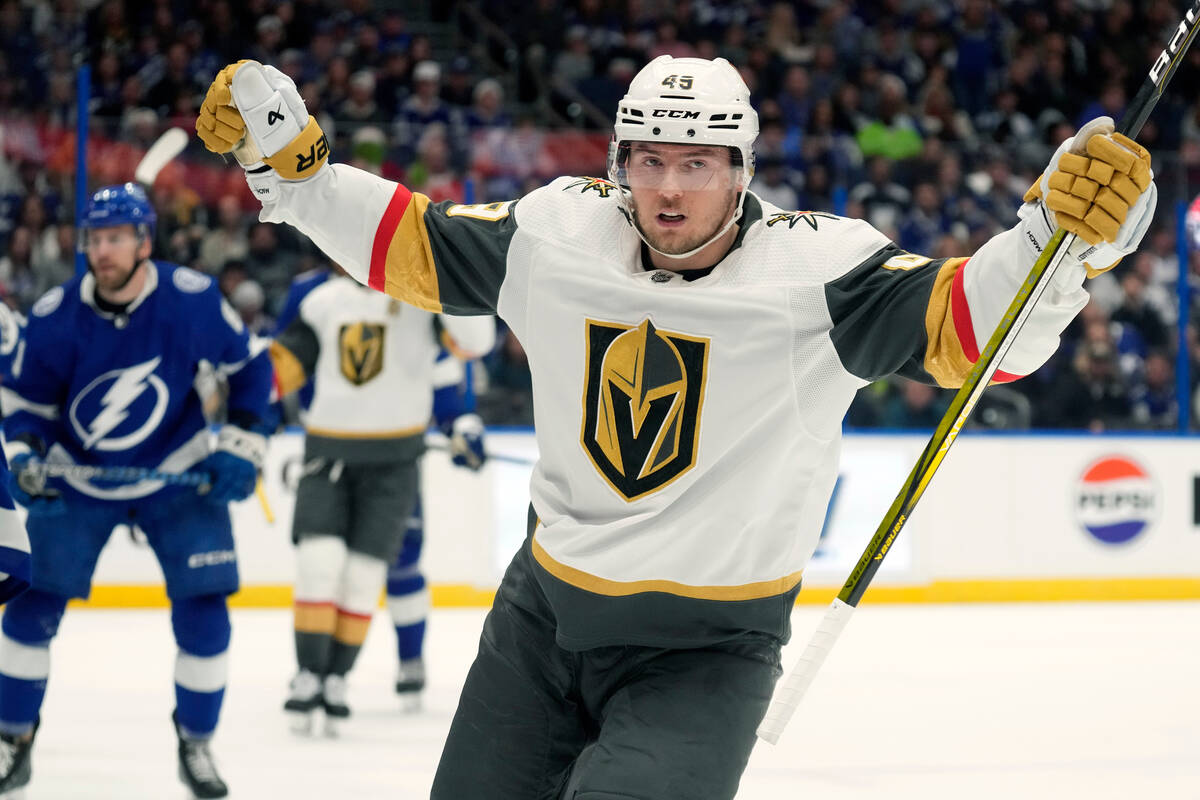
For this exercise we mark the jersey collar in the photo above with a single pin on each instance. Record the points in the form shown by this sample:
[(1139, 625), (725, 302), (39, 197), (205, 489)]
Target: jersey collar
[(87, 292), (751, 213)]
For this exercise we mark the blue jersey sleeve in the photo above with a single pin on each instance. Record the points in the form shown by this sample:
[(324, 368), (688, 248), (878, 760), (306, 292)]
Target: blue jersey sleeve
[(451, 391), (291, 308), (300, 288), (34, 395), (15, 562), (447, 405)]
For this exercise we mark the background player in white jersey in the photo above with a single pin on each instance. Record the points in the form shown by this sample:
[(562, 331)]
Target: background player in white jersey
[(693, 351), (371, 359), (408, 600), (107, 380)]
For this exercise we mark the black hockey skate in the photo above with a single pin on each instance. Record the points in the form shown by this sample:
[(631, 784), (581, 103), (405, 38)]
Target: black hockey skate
[(16, 765), (304, 700), (197, 769), (410, 683)]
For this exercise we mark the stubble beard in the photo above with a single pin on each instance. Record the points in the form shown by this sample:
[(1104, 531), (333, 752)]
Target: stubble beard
[(114, 284), (691, 243)]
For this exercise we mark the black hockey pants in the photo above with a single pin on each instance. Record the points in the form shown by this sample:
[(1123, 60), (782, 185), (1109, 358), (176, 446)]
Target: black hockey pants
[(657, 724)]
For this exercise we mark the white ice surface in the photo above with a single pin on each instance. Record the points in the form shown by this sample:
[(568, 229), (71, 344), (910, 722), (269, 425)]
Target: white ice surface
[(981, 701)]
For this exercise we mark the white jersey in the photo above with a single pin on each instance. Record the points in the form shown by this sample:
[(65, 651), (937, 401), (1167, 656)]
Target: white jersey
[(688, 430), (371, 359)]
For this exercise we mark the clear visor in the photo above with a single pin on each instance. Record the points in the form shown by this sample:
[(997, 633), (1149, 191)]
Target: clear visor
[(121, 236), (678, 167)]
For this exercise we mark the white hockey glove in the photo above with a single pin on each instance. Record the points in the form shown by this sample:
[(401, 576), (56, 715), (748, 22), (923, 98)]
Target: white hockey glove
[(1099, 186), (255, 113), (466, 442)]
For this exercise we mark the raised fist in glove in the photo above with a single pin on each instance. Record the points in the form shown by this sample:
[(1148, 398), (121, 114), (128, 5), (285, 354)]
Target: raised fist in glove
[(233, 467), (255, 112), (466, 442), (1099, 186), (27, 485)]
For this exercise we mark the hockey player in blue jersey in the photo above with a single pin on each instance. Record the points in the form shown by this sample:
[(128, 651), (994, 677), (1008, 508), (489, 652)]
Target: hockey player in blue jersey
[(15, 563), (408, 598), (106, 380)]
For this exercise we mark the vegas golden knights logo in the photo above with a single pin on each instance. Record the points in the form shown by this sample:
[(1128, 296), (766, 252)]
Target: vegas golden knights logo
[(361, 346), (641, 407)]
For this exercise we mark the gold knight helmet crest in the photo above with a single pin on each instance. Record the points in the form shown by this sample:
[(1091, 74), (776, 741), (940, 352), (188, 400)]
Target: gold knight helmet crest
[(643, 397), (361, 351)]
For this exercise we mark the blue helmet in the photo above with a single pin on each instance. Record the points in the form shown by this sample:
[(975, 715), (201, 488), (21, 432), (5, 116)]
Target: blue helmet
[(124, 204)]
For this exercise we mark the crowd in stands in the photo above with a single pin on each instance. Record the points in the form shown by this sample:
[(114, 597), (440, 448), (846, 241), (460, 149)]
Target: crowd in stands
[(929, 118)]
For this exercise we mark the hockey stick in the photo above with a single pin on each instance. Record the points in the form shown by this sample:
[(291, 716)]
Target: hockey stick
[(789, 695), (263, 502), (165, 148), (520, 461), (41, 471)]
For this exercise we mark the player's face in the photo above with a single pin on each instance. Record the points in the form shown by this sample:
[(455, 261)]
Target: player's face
[(113, 253), (682, 194)]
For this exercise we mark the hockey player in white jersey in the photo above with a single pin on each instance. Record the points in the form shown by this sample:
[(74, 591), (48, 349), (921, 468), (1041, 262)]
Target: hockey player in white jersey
[(371, 360), (693, 351)]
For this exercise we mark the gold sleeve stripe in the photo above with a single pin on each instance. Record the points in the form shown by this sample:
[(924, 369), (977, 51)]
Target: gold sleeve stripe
[(315, 617), (583, 580), (401, 256), (351, 628), (289, 373), (951, 351)]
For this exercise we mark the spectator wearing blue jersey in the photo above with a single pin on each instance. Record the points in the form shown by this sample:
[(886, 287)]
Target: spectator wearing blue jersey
[(105, 382)]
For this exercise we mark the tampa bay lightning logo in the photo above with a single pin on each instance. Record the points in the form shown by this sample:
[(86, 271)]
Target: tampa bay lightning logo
[(121, 408)]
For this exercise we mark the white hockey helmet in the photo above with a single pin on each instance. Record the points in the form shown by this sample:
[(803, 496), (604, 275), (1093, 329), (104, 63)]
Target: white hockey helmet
[(685, 101)]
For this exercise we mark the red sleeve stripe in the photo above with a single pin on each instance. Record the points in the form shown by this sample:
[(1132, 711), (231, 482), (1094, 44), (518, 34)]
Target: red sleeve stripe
[(961, 311), (383, 236)]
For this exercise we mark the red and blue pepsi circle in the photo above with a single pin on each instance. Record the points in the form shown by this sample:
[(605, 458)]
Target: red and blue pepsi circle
[(1116, 499)]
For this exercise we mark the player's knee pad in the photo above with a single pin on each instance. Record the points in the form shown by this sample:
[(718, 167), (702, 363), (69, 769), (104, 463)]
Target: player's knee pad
[(201, 624), (320, 561), (362, 578), (32, 618)]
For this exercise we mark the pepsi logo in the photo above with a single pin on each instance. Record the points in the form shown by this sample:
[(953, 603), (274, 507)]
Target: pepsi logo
[(1116, 499)]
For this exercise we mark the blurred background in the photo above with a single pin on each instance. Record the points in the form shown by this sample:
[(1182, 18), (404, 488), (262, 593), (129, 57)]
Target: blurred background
[(929, 118)]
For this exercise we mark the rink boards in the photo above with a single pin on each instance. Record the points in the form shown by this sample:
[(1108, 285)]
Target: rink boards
[(1007, 518)]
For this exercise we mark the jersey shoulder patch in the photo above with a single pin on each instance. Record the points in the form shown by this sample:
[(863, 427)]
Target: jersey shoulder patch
[(190, 281), (49, 302), (584, 185), (814, 220)]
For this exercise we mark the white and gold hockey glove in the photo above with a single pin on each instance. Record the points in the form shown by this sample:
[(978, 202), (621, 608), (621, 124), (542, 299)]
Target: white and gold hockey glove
[(1099, 186), (256, 113)]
